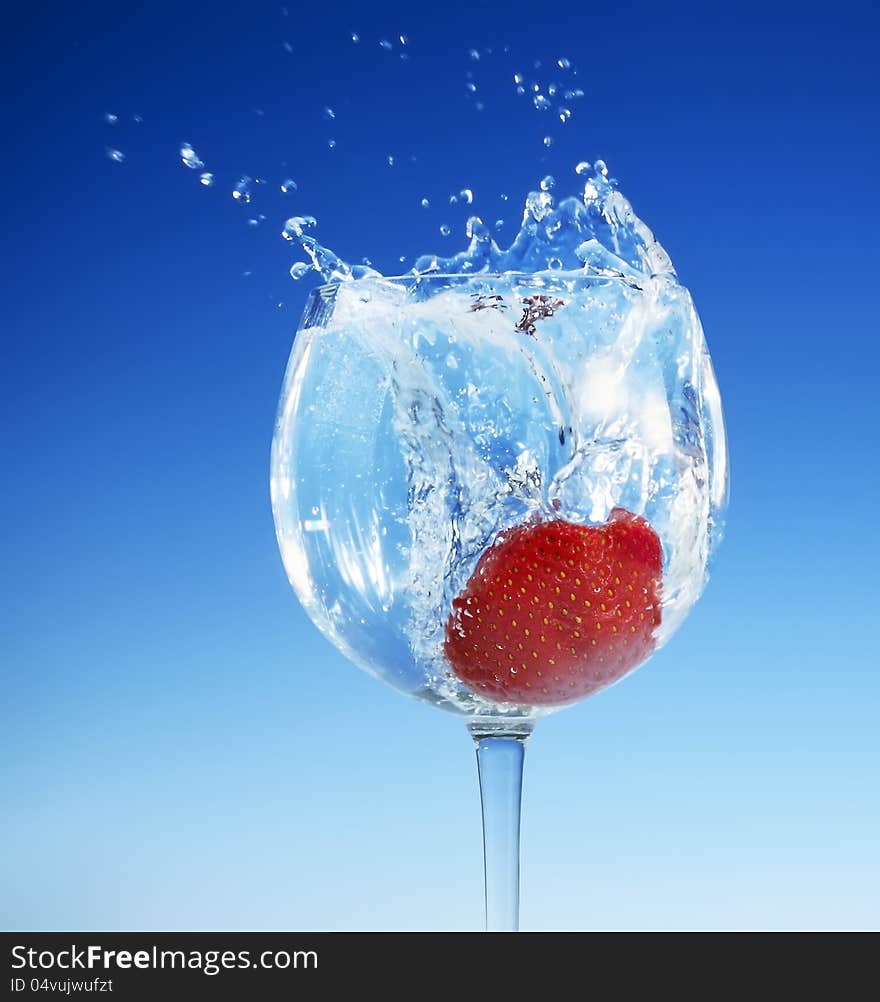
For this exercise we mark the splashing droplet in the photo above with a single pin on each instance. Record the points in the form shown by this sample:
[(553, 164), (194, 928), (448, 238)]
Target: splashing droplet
[(445, 230), (207, 179), (296, 225), (190, 158), (117, 156), (242, 191), (548, 182), (288, 185), (299, 270), (584, 167)]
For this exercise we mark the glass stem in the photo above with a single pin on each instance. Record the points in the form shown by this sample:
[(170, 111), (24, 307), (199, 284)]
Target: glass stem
[(500, 764)]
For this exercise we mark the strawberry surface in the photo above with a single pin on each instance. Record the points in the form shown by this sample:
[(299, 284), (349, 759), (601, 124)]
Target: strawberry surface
[(555, 611)]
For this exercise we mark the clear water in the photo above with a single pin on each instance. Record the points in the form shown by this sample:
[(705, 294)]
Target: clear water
[(421, 415)]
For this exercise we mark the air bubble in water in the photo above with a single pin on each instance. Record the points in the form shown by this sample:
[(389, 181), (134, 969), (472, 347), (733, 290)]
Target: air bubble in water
[(110, 118), (445, 230), (426, 204), (548, 182), (242, 191), (584, 167), (190, 158), (299, 270), (548, 140), (207, 179), (117, 156), (554, 264), (288, 185)]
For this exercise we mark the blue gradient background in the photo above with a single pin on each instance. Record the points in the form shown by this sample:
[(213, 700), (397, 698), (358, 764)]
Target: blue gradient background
[(180, 748)]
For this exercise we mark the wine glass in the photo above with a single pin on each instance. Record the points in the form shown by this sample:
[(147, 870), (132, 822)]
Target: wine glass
[(498, 493)]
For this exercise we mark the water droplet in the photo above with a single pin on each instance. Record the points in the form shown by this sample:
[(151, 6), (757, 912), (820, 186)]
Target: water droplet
[(299, 270), (601, 168), (520, 90), (564, 114), (295, 226), (253, 222), (584, 167), (385, 44), (402, 259), (548, 182), (355, 37), (117, 156), (242, 191), (472, 87), (563, 63), (288, 185), (573, 95), (453, 199), (503, 197), (110, 118), (474, 54), (137, 119), (499, 223), (517, 78), (445, 230), (426, 204), (404, 56), (551, 90), (329, 113), (466, 195), (207, 179), (548, 140), (390, 159), (190, 158), (541, 102), (366, 261), (331, 144)]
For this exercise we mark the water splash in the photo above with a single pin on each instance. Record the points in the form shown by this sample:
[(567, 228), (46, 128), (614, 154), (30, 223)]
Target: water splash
[(596, 232)]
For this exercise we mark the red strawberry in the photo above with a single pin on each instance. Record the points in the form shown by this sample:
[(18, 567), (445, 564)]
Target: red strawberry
[(556, 611)]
